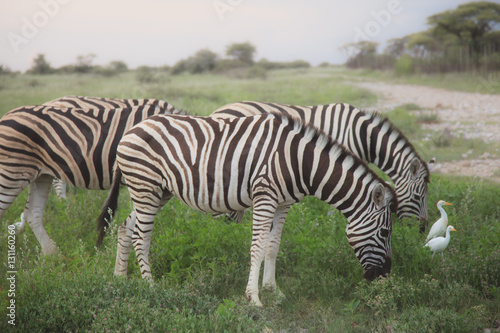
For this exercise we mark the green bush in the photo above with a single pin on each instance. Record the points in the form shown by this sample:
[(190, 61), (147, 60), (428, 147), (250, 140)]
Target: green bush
[(403, 66), (73, 303)]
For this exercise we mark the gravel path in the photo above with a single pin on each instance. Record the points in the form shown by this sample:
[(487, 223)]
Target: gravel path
[(471, 115)]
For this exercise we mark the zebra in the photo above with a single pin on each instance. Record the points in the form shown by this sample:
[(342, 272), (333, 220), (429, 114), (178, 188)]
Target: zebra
[(369, 136), (101, 103), (39, 143), (269, 162)]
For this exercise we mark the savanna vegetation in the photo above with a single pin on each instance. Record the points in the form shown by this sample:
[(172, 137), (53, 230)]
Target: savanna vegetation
[(201, 264), (464, 39)]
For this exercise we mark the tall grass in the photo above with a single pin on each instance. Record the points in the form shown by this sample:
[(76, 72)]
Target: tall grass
[(201, 264)]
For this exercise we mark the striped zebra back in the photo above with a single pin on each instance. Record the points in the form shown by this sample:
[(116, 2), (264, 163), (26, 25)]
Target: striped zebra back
[(267, 161), (77, 146), (369, 136), (87, 103), (100, 103)]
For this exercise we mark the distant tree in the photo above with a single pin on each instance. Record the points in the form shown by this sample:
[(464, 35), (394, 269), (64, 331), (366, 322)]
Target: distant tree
[(84, 63), (145, 74), (396, 46), (360, 54), (203, 61), (4, 70), (118, 66), (179, 67), (243, 52), (469, 23), (421, 43), (40, 66)]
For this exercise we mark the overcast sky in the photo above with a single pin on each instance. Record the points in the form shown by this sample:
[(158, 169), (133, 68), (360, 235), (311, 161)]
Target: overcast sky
[(161, 32)]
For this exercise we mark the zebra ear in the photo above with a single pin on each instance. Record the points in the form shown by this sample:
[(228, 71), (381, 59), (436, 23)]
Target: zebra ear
[(431, 163), (414, 167), (378, 195)]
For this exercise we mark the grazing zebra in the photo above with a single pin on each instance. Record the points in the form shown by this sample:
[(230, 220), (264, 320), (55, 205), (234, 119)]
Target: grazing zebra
[(269, 162), (39, 143), (369, 136), (101, 103)]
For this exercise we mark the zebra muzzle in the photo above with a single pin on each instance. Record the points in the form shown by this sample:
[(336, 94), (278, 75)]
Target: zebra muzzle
[(373, 272)]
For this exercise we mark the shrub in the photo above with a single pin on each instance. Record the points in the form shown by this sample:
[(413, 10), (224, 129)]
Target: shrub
[(146, 74), (65, 302), (403, 66)]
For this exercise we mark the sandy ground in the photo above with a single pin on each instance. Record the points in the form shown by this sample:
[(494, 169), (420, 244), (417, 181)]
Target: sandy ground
[(471, 115)]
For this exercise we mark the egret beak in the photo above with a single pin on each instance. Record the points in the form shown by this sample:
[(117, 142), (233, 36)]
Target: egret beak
[(447, 203), (453, 229)]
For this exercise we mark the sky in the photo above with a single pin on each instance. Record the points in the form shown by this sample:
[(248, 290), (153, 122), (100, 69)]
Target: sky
[(162, 32)]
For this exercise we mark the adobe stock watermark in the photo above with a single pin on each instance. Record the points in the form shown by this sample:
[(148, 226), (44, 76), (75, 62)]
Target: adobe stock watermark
[(11, 275), (30, 26), (371, 29), (221, 7)]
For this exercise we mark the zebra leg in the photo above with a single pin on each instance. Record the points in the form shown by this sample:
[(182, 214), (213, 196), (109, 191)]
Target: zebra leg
[(33, 213), (60, 188), (234, 217), (263, 213), (237, 216), (125, 233), (269, 278), (146, 209)]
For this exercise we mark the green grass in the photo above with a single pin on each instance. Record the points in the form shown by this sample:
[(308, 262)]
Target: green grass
[(201, 264), (200, 94)]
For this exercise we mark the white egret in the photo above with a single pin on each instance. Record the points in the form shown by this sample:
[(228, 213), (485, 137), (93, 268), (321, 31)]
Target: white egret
[(439, 227), (21, 224), (439, 244)]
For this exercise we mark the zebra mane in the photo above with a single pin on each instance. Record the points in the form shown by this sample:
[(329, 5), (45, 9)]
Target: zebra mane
[(329, 144), (384, 121)]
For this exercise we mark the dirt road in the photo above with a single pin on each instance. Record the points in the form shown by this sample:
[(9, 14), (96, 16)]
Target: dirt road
[(471, 115)]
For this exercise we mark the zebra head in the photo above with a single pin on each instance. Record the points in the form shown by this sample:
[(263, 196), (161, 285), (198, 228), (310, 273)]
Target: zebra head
[(369, 232), (412, 190)]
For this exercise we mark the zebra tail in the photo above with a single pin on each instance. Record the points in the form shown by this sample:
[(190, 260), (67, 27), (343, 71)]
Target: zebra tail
[(109, 207)]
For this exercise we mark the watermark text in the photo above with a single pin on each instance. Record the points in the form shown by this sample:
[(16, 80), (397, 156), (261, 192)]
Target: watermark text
[(11, 275), (30, 26)]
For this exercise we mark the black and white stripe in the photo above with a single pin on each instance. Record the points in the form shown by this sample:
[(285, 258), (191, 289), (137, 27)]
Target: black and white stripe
[(100, 103), (269, 162), (39, 143), (369, 136)]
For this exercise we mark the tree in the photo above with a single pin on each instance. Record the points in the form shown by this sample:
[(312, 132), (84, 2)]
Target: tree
[(396, 46), (243, 52), (203, 61), (84, 63), (360, 54), (118, 66), (40, 66), (4, 70), (470, 23)]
